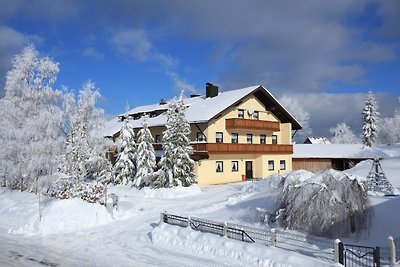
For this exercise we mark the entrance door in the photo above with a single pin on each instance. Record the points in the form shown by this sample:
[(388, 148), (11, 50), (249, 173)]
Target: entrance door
[(249, 169)]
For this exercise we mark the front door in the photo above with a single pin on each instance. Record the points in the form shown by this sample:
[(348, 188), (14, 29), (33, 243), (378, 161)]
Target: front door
[(249, 169)]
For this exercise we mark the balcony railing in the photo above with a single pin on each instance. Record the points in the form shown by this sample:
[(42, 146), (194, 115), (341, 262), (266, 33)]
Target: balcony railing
[(227, 148), (244, 124)]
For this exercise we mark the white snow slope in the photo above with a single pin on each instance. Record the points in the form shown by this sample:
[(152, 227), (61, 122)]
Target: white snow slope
[(75, 233)]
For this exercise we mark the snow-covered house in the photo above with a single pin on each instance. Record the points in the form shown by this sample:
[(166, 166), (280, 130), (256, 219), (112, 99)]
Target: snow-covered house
[(317, 140), (237, 134), (317, 157)]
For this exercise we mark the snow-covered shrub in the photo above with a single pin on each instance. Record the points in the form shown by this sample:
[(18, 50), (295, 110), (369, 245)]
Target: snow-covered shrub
[(328, 203), (65, 189)]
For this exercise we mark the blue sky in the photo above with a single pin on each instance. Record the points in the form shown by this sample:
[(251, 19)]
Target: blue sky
[(328, 54)]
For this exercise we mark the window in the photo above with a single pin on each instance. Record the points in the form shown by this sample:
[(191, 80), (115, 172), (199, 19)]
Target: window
[(200, 137), (255, 115), (235, 166), (263, 139), (219, 166), (234, 138), (219, 137), (241, 113), (274, 139), (249, 138), (158, 138), (282, 164), (270, 165)]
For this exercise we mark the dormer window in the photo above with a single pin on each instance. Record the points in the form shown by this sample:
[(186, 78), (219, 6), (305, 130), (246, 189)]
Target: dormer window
[(241, 113)]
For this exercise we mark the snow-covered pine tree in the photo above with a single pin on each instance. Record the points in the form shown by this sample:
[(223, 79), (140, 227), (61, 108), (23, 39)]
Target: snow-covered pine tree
[(342, 134), (125, 166), (146, 158), (370, 119), (176, 164), (30, 132)]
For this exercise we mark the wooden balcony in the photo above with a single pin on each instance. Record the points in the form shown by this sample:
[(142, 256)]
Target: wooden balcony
[(227, 148), (244, 124)]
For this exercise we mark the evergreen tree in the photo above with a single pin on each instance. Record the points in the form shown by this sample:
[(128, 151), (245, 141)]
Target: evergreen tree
[(31, 119), (125, 166), (370, 118), (176, 165), (146, 158), (342, 134)]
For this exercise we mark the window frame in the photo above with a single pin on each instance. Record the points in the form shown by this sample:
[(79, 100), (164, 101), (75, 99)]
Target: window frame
[(217, 139), (271, 163), (202, 137), (240, 113), (256, 117), (251, 138), (274, 139), (237, 138), (219, 166), (282, 161), (237, 165), (263, 137)]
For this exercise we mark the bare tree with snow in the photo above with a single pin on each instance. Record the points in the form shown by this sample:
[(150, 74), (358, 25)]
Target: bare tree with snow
[(177, 168), (30, 130), (85, 146), (370, 118), (125, 166), (146, 158), (297, 110), (390, 129), (342, 134)]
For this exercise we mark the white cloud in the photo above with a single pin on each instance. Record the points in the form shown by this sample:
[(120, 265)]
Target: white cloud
[(132, 42), (92, 53), (327, 110)]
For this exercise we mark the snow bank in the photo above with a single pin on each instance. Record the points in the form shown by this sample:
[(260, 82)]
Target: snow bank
[(20, 214), (233, 252)]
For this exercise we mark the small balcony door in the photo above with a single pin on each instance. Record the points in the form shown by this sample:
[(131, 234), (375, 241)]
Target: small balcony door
[(249, 170)]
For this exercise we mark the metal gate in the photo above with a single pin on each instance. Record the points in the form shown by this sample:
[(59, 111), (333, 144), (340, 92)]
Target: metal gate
[(355, 256)]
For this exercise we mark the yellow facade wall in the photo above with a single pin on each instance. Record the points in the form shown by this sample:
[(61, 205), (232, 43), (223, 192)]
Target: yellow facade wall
[(205, 169)]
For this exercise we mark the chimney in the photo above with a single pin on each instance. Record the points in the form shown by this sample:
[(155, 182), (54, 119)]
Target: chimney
[(211, 90)]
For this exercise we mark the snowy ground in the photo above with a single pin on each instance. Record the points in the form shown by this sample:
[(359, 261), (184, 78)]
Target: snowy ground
[(75, 233)]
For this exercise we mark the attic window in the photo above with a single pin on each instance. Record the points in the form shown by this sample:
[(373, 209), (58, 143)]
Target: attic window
[(241, 113)]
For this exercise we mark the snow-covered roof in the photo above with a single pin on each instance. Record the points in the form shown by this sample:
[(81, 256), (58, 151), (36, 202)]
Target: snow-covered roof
[(349, 151), (317, 140), (201, 109)]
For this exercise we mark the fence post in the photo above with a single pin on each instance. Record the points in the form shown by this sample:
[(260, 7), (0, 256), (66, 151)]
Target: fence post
[(338, 250), (377, 257), (225, 229), (163, 217), (273, 237), (188, 222), (392, 251)]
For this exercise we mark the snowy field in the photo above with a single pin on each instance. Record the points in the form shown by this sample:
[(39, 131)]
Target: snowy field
[(75, 233)]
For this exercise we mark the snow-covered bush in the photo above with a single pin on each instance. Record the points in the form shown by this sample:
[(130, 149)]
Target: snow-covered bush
[(329, 203), (342, 134), (66, 189)]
